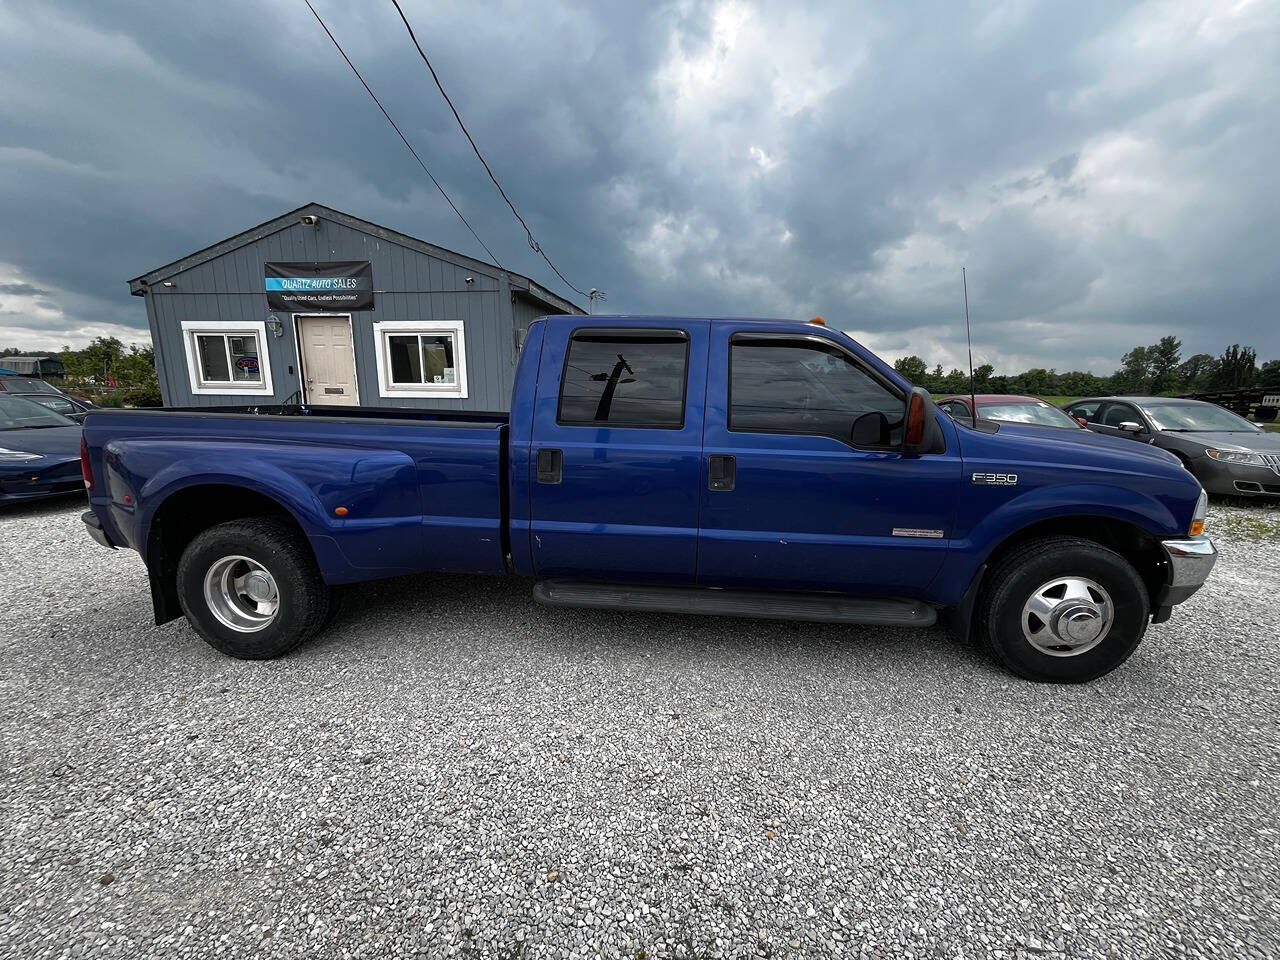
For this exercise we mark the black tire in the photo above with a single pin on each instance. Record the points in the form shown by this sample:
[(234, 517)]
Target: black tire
[(285, 554), (1028, 567), (1265, 414)]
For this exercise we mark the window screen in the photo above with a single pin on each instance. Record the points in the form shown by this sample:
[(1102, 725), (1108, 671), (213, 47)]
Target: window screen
[(793, 386), (213, 359), (420, 359), (624, 379)]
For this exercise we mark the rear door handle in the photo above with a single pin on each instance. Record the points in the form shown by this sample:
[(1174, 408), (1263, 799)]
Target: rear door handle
[(550, 465), (722, 472)]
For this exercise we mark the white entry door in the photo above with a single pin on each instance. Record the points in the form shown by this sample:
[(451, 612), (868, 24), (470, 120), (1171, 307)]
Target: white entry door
[(328, 361)]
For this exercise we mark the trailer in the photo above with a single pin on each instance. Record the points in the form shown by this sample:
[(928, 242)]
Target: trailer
[(1262, 403)]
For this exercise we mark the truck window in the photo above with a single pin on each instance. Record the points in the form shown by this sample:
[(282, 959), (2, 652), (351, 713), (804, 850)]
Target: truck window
[(807, 387), (625, 379)]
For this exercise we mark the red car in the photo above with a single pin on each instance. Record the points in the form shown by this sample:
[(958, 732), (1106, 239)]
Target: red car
[(1009, 408)]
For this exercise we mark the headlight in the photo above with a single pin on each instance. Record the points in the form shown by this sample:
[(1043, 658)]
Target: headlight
[(1237, 456), (17, 456), (1201, 511)]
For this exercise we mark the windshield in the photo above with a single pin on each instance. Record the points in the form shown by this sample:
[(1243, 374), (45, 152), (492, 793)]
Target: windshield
[(1196, 418), (1040, 414), (25, 385), (17, 413)]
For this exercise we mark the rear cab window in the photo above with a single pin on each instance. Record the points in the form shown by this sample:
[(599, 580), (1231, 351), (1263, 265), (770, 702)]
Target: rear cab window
[(625, 378)]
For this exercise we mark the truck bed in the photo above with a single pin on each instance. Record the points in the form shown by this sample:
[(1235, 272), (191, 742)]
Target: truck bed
[(377, 491)]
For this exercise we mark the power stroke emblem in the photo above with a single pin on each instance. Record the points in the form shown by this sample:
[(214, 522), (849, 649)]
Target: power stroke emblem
[(996, 479)]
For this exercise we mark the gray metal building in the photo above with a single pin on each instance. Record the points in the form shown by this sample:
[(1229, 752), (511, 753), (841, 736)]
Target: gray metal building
[(319, 306)]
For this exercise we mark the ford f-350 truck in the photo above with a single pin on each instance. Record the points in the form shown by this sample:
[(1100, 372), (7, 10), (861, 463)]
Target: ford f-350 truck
[(740, 467)]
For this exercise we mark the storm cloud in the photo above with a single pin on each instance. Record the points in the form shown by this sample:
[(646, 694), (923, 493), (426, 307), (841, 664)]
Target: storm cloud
[(1104, 171)]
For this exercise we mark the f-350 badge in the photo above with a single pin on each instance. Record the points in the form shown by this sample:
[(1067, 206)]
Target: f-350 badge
[(996, 479)]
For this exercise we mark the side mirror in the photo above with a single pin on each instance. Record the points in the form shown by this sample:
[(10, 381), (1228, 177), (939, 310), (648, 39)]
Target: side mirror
[(870, 430), (1083, 422), (921, 422), (1130, 427)]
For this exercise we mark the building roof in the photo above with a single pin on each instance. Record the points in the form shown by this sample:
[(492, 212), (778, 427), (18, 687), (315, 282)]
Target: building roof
[(521, 286)]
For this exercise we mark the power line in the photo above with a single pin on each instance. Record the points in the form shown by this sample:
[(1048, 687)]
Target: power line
[(402, 136), (528, 233)]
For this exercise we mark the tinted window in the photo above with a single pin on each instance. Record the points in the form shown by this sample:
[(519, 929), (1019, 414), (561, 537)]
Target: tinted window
[(625, 379), (1087, 410), (1118, 413), (790, 386)]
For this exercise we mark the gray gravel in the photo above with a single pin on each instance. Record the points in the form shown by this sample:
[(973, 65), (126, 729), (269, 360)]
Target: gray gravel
[(452, 770)]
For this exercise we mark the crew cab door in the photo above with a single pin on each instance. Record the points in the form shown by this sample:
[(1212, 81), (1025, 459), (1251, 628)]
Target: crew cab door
[(805, 485), (615, 464)]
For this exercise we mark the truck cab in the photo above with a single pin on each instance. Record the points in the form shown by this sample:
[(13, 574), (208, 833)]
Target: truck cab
[(757, 468)]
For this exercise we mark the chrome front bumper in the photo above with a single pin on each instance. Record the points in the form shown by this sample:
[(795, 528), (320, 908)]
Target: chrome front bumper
[(1190, 561)]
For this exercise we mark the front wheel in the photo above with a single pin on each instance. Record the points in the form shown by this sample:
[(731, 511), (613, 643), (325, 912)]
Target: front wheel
[(251, 588), (1063, 610)]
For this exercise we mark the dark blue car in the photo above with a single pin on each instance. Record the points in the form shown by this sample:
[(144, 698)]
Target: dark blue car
[(39, 451)]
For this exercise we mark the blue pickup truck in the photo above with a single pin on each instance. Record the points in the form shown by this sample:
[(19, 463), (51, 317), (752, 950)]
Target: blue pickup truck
[(739, 467)]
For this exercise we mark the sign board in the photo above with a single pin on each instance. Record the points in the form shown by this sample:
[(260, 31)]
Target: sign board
[(1271, 400), (339, 285), (247, 362)]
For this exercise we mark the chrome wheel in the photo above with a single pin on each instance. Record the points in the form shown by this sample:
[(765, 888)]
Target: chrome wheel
[(1067, 616), (242, 594)]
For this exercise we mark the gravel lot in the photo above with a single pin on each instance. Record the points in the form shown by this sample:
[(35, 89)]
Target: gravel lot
[(451, 769)]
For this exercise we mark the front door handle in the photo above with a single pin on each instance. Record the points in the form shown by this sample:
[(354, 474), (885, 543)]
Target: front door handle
[(550, 465), (722, 472)]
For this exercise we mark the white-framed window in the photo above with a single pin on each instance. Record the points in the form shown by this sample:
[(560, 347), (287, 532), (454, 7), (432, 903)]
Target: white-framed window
[(227, 358), (421, 358)]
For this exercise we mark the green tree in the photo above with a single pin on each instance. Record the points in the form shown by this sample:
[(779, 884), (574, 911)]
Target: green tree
[(137, 368), (913, 368), (1236, 368), (1162, 363), (1135, 373), (1196, 372), (95, 360), (1269, 375)]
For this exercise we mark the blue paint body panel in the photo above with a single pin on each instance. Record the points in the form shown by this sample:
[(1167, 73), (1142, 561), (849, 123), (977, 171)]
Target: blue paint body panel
[(431, 490)]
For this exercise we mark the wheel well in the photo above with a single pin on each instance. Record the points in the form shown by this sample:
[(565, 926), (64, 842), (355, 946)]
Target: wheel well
[(1129, 540), (186, 514)]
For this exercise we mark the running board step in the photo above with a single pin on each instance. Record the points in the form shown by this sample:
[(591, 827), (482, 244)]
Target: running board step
[(819, 607)]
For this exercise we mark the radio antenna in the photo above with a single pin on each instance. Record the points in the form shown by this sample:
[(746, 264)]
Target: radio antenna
[(968, 336)]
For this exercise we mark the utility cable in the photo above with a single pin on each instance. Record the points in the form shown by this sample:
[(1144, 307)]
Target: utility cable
[(537, 247), (406, 140)]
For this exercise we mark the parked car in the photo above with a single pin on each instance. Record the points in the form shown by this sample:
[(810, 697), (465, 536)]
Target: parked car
[(58, 403), (1010, 408), (39, 451), (738, 467), (29, 386), (1227, 453)]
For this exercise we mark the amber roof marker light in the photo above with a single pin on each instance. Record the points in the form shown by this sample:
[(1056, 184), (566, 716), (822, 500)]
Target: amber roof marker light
[(819, 321)]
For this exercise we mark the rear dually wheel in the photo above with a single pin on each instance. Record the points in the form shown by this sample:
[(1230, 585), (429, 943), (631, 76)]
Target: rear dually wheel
[(252, 588)]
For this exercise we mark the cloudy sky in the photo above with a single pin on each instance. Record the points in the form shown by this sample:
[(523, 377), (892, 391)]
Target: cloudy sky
[(1107, 172)]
